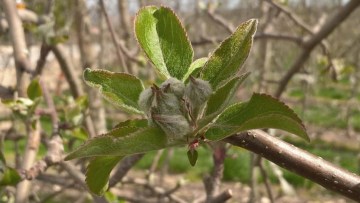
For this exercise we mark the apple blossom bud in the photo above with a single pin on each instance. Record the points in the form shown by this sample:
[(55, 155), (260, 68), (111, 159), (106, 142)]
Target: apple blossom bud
[(145, 99), (174, 126), (198, 91), (175, 86)]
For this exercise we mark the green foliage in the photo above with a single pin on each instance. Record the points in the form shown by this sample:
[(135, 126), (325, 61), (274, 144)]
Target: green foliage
[(183, 106), (120, 88), (262, 111), (114, 144), (8, 175), (194, 68), (221, 98), (34, 90), (164, 40), (228, 58), (98, 172), (192, 156)]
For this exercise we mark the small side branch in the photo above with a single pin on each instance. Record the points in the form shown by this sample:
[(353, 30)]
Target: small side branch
[(113, 37), (300, 162)]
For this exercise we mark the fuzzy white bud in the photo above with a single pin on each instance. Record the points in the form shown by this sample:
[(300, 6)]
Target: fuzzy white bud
[(175, 86), (198, 91), (175, 126)]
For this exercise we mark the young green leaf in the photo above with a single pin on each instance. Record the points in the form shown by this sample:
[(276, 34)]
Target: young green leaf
[(221, 98), (34, 89), (99, 168), (2, 157), (196, 65), (98, 172), (228, 58), (119, 88), (192, 156), (164, 40), (262, 111), (9, 176), (140, 141)]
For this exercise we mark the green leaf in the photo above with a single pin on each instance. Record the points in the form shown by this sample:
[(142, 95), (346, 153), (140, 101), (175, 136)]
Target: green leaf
[(164, 40), (198, 63), (192, 156), (98, 172), (114, 144), (34, 89), (262, 111), (2, 158), (79, 133), (119, 88), (228, 58), (9, 177), (99, 168), (222, 97)]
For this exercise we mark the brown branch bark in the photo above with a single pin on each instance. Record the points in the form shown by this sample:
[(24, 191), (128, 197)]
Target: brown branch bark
[(315, 40), (22, 62), (85, 44), (74, 82), (113, 37), (125, 18), (125, 165), (300, 162), (212, 182), (32, 146)]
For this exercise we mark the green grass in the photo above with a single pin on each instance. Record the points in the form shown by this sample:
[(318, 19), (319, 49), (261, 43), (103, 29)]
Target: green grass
[(333, 93)]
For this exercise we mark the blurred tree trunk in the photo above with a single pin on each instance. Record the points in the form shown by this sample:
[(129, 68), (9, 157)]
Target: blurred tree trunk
[(22, 62), (32, 146), (126, 29), (124, 19), (84, 38), (265, 53)]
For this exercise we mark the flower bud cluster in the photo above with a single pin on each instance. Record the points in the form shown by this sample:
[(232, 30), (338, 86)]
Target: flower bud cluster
[(171, 106)]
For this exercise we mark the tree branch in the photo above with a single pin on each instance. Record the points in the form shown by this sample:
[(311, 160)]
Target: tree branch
[(22, 62), (314, 40), (74, 82), (113, 37), (300, 162), (125, 165)]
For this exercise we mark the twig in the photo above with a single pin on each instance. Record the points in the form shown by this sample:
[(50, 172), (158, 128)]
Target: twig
[(74, 83), (266, 181), (221, 21), (156, 160), (113, 37), (32, 146), (22, 62), (131, 55), (300, 162), (316, 39), (157, 191), (212, 183), (125, 18), (68, 70), (55, 147), (297, 40), (56, 180), (44, 52), (258, 36), (74, 173), (291, 16), (222, 197), (125, 165)]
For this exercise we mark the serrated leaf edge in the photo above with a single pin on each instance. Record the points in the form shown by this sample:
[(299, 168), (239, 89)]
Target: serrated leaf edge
[(127, 108)]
